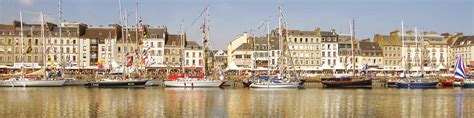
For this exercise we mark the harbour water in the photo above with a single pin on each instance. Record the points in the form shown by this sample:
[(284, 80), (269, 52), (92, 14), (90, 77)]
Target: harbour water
[(235, 102)]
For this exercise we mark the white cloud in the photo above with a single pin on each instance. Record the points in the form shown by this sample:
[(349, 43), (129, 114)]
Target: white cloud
[(26, 2)]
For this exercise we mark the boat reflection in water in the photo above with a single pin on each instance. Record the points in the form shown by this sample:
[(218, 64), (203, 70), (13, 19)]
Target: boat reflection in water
[(241, 102)]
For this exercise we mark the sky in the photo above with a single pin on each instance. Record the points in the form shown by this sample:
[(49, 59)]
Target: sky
[(230, 18)]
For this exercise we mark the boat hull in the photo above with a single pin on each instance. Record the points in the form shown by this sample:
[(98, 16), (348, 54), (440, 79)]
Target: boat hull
[(247, 83), (275, 85), (468, 85), (198, 83), (348, 83), (75, 83), (119, 83), (417, 84), (33, 83), (447, 83)]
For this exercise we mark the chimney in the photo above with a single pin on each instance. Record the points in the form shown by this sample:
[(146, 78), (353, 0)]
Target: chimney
[(394, 33), (318, 31)]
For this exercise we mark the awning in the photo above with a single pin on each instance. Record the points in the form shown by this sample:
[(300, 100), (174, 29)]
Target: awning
[(441, 67), (415, 69), (427, 68), (260, 68), (326, 67), (71, 67), (339, 66), (233, 66)]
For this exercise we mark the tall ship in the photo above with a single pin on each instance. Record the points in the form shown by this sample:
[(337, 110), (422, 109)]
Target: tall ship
[(199, 78), (31, 81), (284, 77), (417, 79), (350, 81), (123, 77)]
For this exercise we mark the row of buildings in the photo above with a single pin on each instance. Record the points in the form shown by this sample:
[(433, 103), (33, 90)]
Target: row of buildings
[(84, 47), (319, 50)]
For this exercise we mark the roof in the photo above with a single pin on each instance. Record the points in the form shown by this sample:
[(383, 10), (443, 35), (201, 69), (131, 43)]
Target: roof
[(344, 39), (464, 41), (369, 46), (327, 34), (6, 27), (301, 33), (155, 32), (99, 33), (192, 45), (388, 40), (244, 47), (173, 40)]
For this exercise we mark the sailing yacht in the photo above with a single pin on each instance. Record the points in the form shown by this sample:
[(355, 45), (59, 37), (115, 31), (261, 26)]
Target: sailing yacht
[(460, 73), (123, 79), (22, 81), (352, 81), (417, 79), (184, 80)]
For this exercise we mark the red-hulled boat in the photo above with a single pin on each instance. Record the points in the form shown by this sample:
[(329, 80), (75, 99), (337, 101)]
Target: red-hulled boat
[(447, 82)]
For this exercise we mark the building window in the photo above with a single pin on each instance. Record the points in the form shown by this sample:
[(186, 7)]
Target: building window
[(159, 44)]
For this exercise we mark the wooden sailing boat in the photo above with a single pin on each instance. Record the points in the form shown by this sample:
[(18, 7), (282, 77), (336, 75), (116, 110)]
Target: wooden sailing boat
[(419, 81), (353, 81), (27, 82), (281, 81), (184, 80), (126, 81)]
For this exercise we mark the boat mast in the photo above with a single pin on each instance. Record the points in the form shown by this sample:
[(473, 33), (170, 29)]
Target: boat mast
[(353, 46), (268, 48), (206, 39), (137, 37), (60, 38), (123, 38), (127, 33), (280, 42), (403, 49), (21, 41), (416, 48), (44, 46)]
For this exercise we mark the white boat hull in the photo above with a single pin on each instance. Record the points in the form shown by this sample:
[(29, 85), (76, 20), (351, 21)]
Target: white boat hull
[(196, 83), (33, 83), (457, 83), (275, 85)]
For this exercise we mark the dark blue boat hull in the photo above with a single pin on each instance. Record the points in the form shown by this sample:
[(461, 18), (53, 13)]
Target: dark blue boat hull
[(417, 84), (468, 85)]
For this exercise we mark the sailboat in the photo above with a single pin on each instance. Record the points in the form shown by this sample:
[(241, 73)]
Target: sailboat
[(460, 73), (22, 81), (418, 78), (117, 80), (352, 81), (203, 80), (282, 80)]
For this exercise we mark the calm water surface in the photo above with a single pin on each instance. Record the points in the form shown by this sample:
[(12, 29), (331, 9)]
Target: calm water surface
[(234, 102)]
